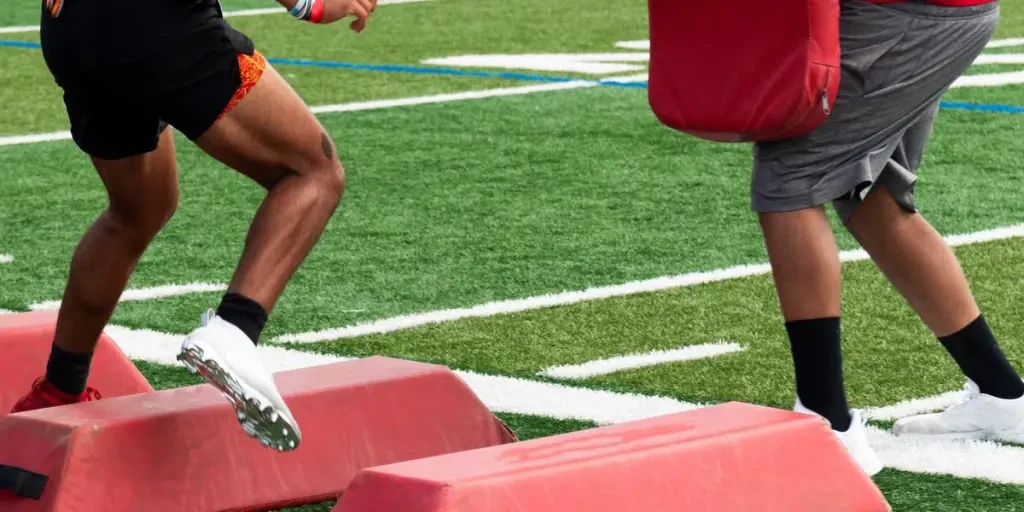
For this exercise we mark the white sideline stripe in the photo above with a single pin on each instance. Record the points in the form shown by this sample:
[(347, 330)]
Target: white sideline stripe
[(965, 459), (363, 105), (644, 44), (603, 292), (914, 407), (163, 348), (990, 79), (447, 98), (138, 294), (999, 58), (506, 394), (15, 140), (1005, 43), (6, 258), (19, 29), (628, 79), (227, 14), (634, 361)]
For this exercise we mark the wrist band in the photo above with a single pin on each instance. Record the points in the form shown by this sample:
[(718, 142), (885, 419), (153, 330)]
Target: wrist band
[(308, 10)]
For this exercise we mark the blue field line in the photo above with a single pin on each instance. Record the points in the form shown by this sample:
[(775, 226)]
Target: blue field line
[(20, 44), (426, 70), (983, 107)]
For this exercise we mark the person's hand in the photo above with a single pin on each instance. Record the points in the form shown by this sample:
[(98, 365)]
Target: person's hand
[(335, 10)]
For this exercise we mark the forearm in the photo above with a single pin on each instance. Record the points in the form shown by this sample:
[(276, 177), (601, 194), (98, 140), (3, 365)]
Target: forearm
[(287, 4)]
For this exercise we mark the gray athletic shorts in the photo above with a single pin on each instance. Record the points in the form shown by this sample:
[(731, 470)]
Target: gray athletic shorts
[(897, 62)]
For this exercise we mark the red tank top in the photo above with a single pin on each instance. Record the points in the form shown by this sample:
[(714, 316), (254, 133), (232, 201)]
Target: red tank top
[(948, 3)]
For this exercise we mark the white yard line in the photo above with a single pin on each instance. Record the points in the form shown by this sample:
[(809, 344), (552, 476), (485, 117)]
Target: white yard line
[(1006, 43), (999, 58), (19, 29), (26, 29), (364, 105), (914, 407), (504, 307), (964, 459), (151, 293), (506, 394), (6, 258), (634, 361), (35, 138), (453, 97), (990, 79)]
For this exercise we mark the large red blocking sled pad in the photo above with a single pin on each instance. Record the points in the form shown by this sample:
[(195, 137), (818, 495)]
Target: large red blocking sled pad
[(25, 341), (183, 450), (732, 457), (744, 70)]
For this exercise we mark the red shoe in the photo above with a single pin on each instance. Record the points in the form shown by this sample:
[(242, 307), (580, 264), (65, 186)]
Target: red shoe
[(45, 395)]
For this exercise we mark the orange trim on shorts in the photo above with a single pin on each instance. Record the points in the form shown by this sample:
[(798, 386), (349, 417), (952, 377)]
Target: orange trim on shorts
[(54, 7), (250, 69)]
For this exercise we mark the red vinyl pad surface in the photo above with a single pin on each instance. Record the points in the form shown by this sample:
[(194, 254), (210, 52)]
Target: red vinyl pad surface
[(744, 70), (729, 458), (25, 340), (183, 450)]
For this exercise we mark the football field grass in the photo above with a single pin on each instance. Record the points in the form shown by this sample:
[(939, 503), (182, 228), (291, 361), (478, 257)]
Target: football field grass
[(529, 227)]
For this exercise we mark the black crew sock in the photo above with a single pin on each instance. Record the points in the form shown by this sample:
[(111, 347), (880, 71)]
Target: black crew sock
[(68, 371), (244, 313), (818, 362), (975, 350)]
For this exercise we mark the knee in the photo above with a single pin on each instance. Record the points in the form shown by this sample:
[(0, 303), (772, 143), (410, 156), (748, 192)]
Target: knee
[(142, 219), (328, 173)]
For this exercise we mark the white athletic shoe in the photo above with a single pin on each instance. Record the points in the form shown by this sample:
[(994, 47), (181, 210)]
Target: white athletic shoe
[(979, 416), (855, 439), (228, 360)]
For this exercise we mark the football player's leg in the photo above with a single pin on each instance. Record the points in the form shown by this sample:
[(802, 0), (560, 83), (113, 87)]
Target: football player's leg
[(909, 251), (240, 111), (141, 180), (273, 138), (122, 135)]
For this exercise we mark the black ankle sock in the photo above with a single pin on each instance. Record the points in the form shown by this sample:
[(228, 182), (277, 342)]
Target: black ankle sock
[(818, 362), (244, 313), (975, 350), (68, 371)]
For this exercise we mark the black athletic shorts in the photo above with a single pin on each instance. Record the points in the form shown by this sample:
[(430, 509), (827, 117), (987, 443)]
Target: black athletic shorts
[(129, 68)]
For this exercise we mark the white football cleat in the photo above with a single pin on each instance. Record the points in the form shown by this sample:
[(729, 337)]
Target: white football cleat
[(228, 359), (978, 417), (855, 439)]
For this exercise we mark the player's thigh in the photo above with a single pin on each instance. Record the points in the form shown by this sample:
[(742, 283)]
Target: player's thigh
[(216, 89), (142, 189), (270, 133)]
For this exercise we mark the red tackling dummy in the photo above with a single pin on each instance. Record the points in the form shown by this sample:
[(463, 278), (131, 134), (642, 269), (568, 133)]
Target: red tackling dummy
[(25, 341), (729, 458), (182, 449)]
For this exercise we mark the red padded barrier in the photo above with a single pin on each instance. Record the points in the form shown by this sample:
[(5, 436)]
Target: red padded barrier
[(183, 450), (732, 457), (25, 340)]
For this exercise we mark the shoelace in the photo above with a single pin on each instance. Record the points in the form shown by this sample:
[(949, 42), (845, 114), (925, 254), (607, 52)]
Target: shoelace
[(207, 317), (971, 391)]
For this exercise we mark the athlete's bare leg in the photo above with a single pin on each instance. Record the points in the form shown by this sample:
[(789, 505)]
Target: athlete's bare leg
[(273, 138)]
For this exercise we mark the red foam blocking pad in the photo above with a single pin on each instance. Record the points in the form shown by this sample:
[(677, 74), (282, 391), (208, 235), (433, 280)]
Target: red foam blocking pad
[(732, 457), (25, 341), (183, 450)]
